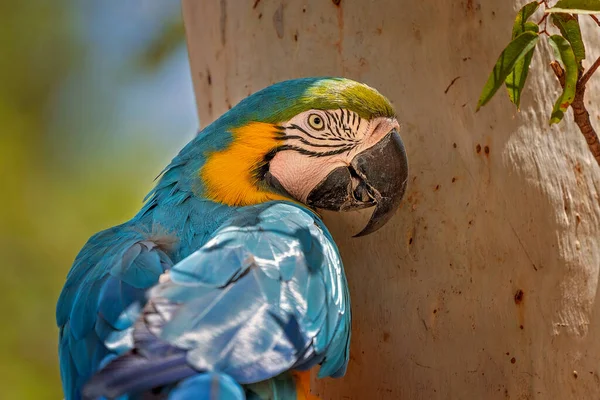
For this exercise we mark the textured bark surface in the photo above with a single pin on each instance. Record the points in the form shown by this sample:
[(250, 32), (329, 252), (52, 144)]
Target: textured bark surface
[(485, 283)]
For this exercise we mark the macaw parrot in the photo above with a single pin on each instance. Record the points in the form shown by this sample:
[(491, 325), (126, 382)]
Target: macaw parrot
[(227, 284)]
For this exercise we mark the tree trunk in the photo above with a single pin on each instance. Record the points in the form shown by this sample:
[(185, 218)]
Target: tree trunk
[(484, 285)]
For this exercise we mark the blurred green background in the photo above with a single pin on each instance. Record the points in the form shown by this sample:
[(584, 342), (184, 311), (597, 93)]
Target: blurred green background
[(95, 99)]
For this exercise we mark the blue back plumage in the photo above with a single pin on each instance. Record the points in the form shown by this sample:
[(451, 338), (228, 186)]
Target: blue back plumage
[(274, 270), (265, 294)]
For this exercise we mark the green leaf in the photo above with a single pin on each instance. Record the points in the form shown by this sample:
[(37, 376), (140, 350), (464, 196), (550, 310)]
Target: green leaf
[(576, 7), (569, 28), (515, 51), (565, 55), (522, 16), (516, 79)]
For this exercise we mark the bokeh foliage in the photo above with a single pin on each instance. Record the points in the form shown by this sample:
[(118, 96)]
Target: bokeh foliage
[(54, 197)]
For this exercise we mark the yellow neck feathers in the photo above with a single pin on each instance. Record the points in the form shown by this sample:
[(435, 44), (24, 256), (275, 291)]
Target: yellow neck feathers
[(228, 175)]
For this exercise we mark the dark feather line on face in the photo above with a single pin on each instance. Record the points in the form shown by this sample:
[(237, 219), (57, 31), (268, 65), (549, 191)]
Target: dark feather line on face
[(296, 127), (331, 117), (328, 135), (342, 123), (350, 132), (329, 123), (313, 153), (339, 117), (301, 139), (337, 131), (334, 124), (335, 116), (342, 133)]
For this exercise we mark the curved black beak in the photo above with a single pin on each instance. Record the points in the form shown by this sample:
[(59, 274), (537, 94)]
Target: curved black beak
[(376, 177)]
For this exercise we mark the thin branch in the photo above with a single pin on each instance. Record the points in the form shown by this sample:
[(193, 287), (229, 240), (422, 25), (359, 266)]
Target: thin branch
[(580, 113), (595, 19), (545, 21), (582, 119), (589, 72)]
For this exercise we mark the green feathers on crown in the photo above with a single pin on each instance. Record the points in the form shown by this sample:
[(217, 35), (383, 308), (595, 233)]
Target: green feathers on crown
[(281, 101), (333, 93)]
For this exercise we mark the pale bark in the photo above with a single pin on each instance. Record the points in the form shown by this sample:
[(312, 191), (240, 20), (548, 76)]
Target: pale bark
[(484, 286)]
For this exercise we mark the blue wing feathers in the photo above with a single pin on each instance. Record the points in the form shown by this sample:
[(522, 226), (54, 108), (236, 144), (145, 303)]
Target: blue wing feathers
[(265, 294), (135, 373), (111, 272)]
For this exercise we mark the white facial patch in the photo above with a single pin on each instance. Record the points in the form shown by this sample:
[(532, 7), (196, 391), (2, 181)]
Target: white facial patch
[(319, 141)]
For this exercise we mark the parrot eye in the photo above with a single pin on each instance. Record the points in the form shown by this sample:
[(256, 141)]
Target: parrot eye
[(316, 122)]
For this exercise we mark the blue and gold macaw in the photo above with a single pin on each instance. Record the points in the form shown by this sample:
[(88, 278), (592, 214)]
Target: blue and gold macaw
[(227, 283)]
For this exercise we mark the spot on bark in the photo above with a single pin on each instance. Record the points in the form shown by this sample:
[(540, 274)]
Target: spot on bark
[(452, 82), (486, 149), (478, 148), (278, 21), (519, 297), (513, 360), (417, 34), (336, 2), (386, 336), (223, 21)]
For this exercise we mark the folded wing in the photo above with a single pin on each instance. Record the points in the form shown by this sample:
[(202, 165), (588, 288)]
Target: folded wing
[(266, 294)]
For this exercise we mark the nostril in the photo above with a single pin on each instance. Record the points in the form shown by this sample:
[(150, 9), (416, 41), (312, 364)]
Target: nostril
[(354, 174), (361, 193), (360, 190)]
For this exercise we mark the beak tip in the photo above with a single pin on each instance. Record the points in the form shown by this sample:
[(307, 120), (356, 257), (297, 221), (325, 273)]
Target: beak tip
[(361, 234)]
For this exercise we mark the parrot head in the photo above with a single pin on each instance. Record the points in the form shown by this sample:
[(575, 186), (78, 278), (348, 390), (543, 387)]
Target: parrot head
[(329, 143)]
